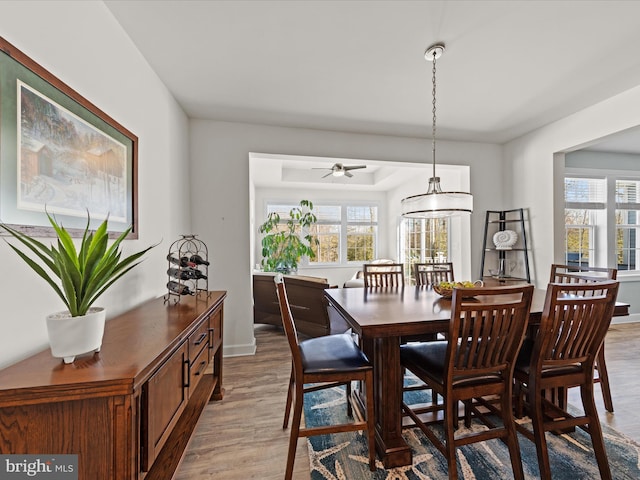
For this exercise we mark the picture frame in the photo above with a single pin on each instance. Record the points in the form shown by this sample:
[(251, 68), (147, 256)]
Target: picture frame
[(60, 154)]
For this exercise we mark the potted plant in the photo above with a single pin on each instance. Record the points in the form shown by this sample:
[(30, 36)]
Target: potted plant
[(282, 246), (83, 275)]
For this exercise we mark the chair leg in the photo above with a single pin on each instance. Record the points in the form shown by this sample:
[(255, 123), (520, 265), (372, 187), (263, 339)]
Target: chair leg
[(512, 436), (349, 406), (518, 399), (295, 430), (371, 424), (467, 413), (595, 430), (603, 375), (450, 425), (287, 409), (537, 420)]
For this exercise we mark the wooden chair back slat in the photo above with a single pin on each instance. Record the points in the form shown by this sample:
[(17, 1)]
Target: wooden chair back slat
[(433, 273), (578, 274), (488, 334), (383, 275), (573, 327)]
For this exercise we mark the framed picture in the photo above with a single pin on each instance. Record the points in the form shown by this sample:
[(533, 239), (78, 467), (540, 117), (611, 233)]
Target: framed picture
[(60, 154)]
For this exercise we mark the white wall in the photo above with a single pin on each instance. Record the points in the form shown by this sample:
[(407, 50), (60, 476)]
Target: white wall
[(83, 45), (536, 178), (222, 208)]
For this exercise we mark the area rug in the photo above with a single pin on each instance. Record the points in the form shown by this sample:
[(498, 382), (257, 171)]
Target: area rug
[(344, 456)]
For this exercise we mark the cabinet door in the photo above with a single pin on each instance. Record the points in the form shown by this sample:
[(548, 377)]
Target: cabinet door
[(164, 398)]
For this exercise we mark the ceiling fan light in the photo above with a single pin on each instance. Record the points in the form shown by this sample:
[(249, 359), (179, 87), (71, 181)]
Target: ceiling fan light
[(338, 173)]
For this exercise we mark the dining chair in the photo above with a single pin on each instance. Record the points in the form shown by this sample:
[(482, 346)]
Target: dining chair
[(429, 274), (581, 274), (573, 274), (484, 335), (383, 275), (563, 354), (324, 362)]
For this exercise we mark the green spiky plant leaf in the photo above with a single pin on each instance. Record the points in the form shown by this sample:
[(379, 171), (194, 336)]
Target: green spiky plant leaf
[(78, 276)]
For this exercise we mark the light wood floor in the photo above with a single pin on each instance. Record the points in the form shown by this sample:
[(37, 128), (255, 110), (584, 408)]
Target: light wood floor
[(241, 437)]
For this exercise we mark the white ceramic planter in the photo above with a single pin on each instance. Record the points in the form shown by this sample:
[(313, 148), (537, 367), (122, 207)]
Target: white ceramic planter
[(70, 336)]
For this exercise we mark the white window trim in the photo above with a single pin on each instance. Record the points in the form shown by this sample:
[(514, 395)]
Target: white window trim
[(603, 251), (304, 263)]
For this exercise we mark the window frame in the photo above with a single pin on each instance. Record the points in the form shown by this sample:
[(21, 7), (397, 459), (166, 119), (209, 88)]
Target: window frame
[(605, 228), (423, 232), (342, 228)]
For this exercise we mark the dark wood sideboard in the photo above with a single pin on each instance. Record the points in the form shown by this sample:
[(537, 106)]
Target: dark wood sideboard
[(130, 410)]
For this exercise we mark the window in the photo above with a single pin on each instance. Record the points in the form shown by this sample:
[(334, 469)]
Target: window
[(584, 198), (627, 207), (362, 229), (590, 210), (346, 233), (327, 231), (422, 241)]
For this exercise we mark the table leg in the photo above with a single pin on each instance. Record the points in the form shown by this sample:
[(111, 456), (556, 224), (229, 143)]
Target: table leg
[(387, 379)]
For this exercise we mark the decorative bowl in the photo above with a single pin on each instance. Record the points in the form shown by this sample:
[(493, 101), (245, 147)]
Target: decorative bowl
[(445, 289)]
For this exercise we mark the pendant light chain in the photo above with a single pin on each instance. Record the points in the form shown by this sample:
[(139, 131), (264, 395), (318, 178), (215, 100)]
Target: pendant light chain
[(433, 131), (436, 203)]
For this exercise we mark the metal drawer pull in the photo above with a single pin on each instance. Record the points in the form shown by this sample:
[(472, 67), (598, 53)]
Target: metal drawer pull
[(200, 339), (203, 365), (186, 376)]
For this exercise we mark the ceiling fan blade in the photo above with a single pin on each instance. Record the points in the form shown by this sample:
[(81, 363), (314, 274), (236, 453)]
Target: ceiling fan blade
[(347, 174), (325, 176), (354, 167), (320, 168)]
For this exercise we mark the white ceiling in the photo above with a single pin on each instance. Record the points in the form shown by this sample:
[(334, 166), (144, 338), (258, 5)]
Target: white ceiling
[(292, 171), (509, 66), (358, 66)]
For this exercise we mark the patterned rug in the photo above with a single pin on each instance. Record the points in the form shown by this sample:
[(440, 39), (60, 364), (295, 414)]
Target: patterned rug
[(344, 456)]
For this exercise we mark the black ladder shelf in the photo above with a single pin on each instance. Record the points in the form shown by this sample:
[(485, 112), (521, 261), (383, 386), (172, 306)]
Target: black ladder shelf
[(505, 261)]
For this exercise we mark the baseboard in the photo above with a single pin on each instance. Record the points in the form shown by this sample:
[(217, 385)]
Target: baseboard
[(634, 317), (239, 350)]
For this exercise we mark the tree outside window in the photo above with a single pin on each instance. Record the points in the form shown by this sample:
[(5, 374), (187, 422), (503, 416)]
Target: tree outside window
[(423, 241)]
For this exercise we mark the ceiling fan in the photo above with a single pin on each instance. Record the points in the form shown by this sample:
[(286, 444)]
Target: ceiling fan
[(340, 170)]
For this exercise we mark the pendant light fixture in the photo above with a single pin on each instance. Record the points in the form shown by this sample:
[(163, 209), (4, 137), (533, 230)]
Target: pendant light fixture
[(436, 203)]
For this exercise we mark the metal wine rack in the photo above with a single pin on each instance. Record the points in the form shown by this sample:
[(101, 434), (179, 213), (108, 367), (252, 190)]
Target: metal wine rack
[(188, 257)]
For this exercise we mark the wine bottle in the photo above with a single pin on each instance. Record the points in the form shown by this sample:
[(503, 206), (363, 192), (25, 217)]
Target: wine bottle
[(198, 260), (176, 287), (178, 274), (186, 273), (183, 261), (196, 274)]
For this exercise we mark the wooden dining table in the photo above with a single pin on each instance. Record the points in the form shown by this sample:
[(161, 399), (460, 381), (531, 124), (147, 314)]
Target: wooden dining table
[(381, 316)]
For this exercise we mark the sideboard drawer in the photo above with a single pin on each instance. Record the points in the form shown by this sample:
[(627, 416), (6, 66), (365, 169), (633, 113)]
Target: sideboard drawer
[(197, 369), (198, 340)]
